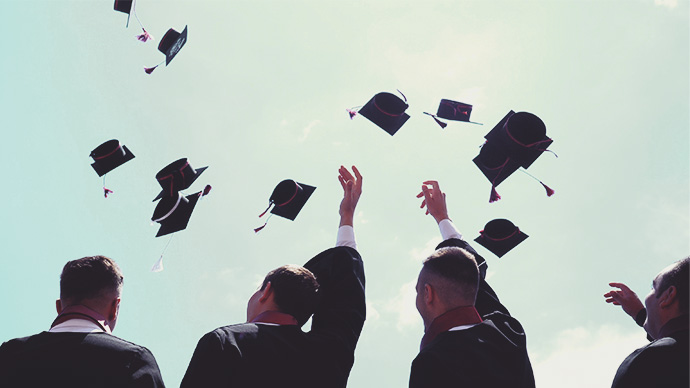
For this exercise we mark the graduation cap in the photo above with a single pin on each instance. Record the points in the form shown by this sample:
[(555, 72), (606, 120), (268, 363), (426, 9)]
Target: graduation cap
[(173, 213), (176, 176), (500, 236), (452, 110), (171, 44), (124, 6), (288, 199), (387, 111), (523, 135), (109, 156), (496, 166)]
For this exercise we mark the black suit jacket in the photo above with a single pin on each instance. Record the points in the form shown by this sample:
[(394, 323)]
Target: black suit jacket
[(490, 354), (76, 360), (260, 355), (664, 363)]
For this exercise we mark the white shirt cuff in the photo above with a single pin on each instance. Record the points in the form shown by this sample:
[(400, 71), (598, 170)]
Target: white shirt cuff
[(346, 237), (448, 230)]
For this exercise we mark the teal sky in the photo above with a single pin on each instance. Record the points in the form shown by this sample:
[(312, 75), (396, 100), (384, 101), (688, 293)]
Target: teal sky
[(259, 94)]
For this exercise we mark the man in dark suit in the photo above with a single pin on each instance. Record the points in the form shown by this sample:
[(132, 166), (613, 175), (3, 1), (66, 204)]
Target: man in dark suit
[(79, 349), (470, 338), (271, 350), (664, 362)]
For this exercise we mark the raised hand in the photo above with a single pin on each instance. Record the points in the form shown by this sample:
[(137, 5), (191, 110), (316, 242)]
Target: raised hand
[(434, 200), (625, 298), (352, 190)]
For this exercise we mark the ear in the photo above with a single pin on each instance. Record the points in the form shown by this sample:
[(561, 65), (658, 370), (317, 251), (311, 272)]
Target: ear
[(429, 294), (113, 309), (266, 293), (668, 297), (58, 306)]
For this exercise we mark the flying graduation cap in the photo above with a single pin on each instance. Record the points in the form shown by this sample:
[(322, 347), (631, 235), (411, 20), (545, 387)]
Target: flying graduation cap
[(452, 110), (500, 236), (516, 141), (176, 176), (386, 110), (173, 213), (287, 200), (107, 157), (171, 44)]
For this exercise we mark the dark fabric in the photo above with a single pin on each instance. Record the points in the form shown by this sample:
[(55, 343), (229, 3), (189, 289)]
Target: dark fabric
[(664, 363), (257, 355), (76, 360), (490, 354), (641, 317)]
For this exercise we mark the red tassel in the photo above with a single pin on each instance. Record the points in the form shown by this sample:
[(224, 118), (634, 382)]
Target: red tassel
[(106, 191), (207, 190), (144, 37), (260, 227), (494, 195), (441, 123), (352, 113), (549, 191), (150, 70)]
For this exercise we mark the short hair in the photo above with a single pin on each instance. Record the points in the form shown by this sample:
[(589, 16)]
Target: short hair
[(90, 277), (678, 277), (296, 291), (458, 268)]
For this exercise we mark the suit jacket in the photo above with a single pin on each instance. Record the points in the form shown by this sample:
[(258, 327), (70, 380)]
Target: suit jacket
[(663, 363), (260, 355), (76, 360), (490, 354)]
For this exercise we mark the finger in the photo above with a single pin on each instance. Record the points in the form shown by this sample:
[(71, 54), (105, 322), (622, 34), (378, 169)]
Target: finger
[(357, 174), (436, 187), (427, 194), (608, 294), (427, 213), (609, 300), (619, 285), (342, 182), (423, 204), (420, 195), (346, 174)]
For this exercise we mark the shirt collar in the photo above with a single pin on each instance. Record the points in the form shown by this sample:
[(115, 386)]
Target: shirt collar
[(80, 312), (275, 318)]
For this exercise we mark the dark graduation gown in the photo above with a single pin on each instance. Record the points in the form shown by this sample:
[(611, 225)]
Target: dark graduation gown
[(259, 355), (76, 360), (663, 363), (490, 354)]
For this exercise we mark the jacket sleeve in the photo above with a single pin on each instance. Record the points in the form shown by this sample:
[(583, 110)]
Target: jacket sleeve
[(341, 310), (209, 366), (145, 372), (487, 300)]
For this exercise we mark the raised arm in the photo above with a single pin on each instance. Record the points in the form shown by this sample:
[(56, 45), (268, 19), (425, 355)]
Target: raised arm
[(435, 202), (628, 300)]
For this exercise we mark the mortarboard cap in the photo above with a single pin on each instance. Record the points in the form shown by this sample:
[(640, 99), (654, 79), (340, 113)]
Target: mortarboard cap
[(523, 135), (500, 236), (178, 175), (173, 213), (124, 6), (494, 163), (387, 111), (172, 43), (289, 197), (109, 156)]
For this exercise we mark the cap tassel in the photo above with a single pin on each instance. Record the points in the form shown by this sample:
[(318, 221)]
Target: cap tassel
[(144, 37), (439, 122), (269, 206), (401, 93), (207, 190), (150, 70), (106, 191), (352, 113), (260, 227), (549, 191), (494, 195)]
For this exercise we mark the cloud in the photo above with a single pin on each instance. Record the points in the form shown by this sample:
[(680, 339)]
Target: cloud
[(307, 130), (670, 4), (418, 255), (403, 307), (589, 357)]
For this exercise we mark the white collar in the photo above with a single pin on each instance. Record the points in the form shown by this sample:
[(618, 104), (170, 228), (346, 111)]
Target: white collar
[(76, 325)]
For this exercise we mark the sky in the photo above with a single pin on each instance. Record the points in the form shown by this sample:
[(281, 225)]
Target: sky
[(259, 94)]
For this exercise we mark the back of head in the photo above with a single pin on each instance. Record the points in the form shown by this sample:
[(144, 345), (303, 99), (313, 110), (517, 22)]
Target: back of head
[(677, 276), (89, 278), (295, 289), (454, 274)]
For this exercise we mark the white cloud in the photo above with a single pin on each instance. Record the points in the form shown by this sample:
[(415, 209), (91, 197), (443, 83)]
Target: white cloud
[(418, 255), (589, 358), (403, 306), (307, 130), (666, 3)]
